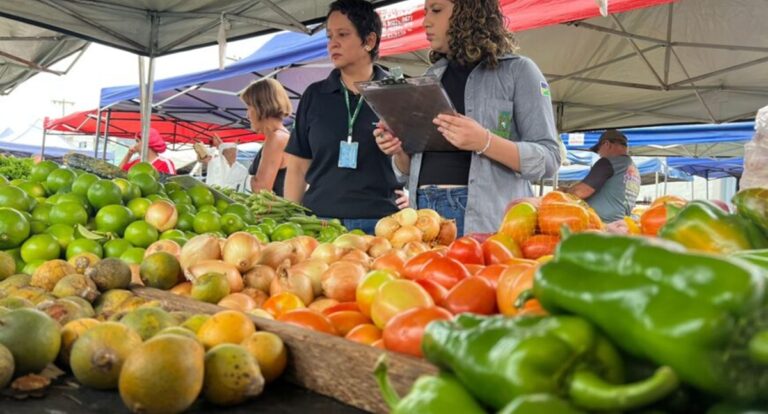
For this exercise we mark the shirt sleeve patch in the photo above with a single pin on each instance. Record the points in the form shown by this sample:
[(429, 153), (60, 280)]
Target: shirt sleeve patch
[(544, 89)]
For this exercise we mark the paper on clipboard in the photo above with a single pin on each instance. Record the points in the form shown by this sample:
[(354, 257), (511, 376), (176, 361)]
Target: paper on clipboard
[(408, 107)]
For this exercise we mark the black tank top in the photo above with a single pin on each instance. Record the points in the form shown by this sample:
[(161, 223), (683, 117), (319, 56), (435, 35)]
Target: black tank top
[(279, 178)]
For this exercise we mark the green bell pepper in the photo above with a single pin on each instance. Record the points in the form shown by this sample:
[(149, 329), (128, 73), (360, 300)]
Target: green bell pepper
[(701, 225), (752, 203), (499, 359), (429, 395), (539, 404), (703, 315)]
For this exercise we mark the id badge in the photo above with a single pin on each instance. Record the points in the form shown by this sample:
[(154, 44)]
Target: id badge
[(348, 155)]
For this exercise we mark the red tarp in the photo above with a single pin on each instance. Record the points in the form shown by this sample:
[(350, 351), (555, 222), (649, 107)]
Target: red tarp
[(403, 31), (128, 125)]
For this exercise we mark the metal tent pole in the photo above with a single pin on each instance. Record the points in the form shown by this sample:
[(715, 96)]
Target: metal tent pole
[(147, 86), (106, 133), (666, 175), (706, 177), (42, 150), (656, 185), (693, 192), (98, 131)]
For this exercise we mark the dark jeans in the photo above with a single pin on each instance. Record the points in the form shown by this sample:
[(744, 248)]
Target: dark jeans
[(366, 225), (448, 202)]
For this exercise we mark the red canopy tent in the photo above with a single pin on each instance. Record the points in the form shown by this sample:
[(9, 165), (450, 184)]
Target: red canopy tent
[(128, 125)]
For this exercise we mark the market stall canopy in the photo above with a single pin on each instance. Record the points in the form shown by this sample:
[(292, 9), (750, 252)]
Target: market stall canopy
[(30, 142), (647, 166), (160, 27), (696, 141), (709, 168), (128, 125), (27, 50)]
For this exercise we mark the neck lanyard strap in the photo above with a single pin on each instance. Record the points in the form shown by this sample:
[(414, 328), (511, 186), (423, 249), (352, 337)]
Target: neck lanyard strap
[(351, 117)]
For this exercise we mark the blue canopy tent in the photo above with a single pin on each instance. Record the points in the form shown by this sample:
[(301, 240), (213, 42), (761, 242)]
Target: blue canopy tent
[(648, 167), (709, 168), (693, 141)]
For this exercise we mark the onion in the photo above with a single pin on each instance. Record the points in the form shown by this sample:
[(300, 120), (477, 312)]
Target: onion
[(386, 227), (241, 250), (202, 247), (322, 303), (358, 256), (379, 246), (238, 301), (404, 235), (258, 296), (182, 289), (275, 253), (162, 215), (313, 269), (327, 252), (217, 266), (447, 232), (429, 226), (303, 246), (297, 283), (407, 217), (260, 277), (351, 241), (341, 279), (415, 247), (168, 246)]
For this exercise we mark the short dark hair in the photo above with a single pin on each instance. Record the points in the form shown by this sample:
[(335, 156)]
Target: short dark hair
[(363, 16)]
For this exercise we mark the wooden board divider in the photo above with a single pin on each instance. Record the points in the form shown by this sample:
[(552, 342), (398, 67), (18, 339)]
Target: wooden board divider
[(325, 364)]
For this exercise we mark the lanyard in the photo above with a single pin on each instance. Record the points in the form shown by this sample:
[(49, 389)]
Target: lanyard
[(350, 116)]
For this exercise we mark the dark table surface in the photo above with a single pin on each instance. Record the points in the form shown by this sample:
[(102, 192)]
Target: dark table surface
[(278, 397)]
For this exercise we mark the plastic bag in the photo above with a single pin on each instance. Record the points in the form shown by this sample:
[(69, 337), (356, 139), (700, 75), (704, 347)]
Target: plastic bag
[(756, 154)]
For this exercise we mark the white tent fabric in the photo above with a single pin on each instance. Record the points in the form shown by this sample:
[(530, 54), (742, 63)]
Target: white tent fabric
[(27, 50), (160, 27)]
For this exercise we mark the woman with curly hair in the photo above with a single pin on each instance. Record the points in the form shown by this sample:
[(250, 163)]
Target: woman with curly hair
[(504, 127)]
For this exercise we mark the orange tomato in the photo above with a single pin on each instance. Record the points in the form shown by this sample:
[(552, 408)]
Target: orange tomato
[(466, 250), (519, 222), (397, 296), (654, 218), (473, 269), (518, 260), (508, 242), (553, 216), (281, 303), (558, 197), (344, 321), (595, 223), (309, 319), (473, 295), (496, 252), (366, 333), (393, 260), (378, 344), (669, 199), (404, 332), (435, 290), (514, 281), (492, 273), (414, 265), (369, 286), (540, 245), (343, 306)]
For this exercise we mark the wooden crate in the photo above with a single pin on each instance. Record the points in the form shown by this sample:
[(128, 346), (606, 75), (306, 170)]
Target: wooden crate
[(325, 364)]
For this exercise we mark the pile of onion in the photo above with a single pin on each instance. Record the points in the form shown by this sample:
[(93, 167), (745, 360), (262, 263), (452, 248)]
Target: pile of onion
[(162, 215), (234, 278), (199, 248), (242, 250), (341, 279)]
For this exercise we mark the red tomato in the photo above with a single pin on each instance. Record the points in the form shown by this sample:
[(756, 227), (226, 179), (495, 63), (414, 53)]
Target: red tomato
[(343, 306), (366, 333), (466, 250), (436, 290), (345, 321), (445, 271), (404, 332), (415, 265), (493, 273), (474, 269), (472, 295), (495, 252), (309, 319), (540, 245)]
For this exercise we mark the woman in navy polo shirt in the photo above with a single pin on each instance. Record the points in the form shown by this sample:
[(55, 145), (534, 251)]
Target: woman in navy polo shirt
[(332, 148)]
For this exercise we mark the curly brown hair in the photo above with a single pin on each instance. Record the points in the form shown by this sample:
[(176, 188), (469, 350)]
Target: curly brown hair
[(477, 34)]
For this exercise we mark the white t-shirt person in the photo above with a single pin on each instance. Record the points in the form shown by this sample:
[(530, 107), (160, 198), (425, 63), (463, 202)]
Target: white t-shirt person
[(224, 170)]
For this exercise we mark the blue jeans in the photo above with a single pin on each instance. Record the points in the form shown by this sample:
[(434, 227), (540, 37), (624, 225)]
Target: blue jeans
[(366, 225), (448, 202)]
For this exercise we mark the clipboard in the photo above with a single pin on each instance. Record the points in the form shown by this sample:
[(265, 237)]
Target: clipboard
[(408, 106)]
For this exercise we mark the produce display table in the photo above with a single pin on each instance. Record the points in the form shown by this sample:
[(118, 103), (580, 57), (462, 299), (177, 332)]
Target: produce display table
[(279, 397)]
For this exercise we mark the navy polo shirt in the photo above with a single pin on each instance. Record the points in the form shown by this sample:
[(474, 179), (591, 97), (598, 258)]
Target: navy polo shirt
[(321, 124)]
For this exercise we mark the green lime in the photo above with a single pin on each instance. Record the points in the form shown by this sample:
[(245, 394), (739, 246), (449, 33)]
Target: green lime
[(157, 197), (185, 222), (143, 168), (285, 231), (54, 199), (40, 171), (103, 193), (113, 218), (34, 189), (84, 246), (186, 208), (74, 198), (172, 234), (42, 212), (256, 231), (133, 255), (139, 206), (29, 268), (15, 197), (116, 247), (14, 228), (63, 233), (60, 180), (127, 189), (243, 211), (201, 196), (146, 183), (68, 212), (207, 209), (40, 247), (37, 227), (171, 186), (231, 222), (270, 222), (181, 241), (206, 222), (16, 254), (221, 205), (180, 197), (83, 182), (266, 228), (140, 234)]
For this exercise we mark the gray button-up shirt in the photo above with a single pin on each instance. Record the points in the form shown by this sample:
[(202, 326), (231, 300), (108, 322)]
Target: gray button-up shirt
[(512, 101)]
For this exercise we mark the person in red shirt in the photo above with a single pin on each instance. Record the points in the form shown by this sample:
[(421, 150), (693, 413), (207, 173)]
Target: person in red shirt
[(156, 147)]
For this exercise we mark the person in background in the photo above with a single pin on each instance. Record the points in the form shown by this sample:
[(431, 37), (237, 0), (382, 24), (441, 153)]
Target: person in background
[(504, 129), (156, 147), (268, 105), (332, 148), (613, 183), (223, 168)]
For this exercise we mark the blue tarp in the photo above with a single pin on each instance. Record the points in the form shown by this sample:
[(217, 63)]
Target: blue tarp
[(646, 166), (709, 168)]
